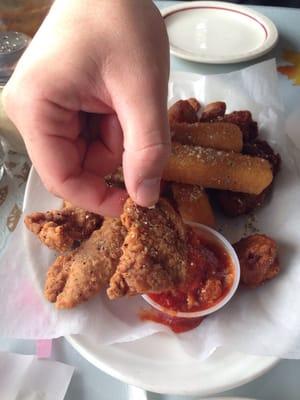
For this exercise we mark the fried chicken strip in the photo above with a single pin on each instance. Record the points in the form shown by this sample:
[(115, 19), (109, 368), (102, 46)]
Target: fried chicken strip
[(154, 251), (258, 256), (77, 276), (61, 230)]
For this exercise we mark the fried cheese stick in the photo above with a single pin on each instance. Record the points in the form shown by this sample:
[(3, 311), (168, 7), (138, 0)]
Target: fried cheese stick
[(217, 169), (216, 135), (193, 203)]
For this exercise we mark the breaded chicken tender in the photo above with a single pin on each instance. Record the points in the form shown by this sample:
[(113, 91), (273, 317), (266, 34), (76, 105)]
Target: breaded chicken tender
[(61, 230), (77, 276), (258, 256), (154, 251)]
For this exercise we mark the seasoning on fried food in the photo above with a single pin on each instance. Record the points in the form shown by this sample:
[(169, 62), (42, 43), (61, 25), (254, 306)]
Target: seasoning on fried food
[(154, 251), (215, 135), (193, 203), (62, 230), (217, 169)]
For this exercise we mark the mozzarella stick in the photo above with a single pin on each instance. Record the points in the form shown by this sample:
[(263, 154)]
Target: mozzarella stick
[(193, 203), (217, 169), (216, 135)]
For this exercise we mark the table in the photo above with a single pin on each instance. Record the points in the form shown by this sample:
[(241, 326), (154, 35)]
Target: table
[(89, 383)]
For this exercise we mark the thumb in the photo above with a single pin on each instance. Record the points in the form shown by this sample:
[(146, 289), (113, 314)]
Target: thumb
[(144, 120)]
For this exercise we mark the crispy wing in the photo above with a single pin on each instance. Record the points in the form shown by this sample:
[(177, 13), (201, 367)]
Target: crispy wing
[(184, 111), (212, 111), (80, 274), (154, 251), (258, 255), (61, 230)]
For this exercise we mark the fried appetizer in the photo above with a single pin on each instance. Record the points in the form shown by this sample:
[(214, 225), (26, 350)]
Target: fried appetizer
[(193, 204), (116, 179), (154, 255), (217, 135), (217, 169), (258, 256), (77, 276), (194, 103), (67, 204), (183, 111), (243, 119), (234, 204), (261, 148), (213, 111), (61, 230)]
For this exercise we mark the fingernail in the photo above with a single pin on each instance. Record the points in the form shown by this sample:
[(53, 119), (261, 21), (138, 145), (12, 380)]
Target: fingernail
[(148, 192)]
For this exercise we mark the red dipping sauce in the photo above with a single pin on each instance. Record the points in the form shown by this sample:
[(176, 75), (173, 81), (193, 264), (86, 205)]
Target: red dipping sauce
[(209, 278), (176, 324)]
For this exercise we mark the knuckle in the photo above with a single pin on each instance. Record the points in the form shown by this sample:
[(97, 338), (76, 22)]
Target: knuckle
[(8, 100), (51, 188), (156, 151), (15, 98)]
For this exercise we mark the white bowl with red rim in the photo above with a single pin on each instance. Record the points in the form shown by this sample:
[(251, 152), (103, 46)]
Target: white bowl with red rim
[(215, 237), (217, 32)]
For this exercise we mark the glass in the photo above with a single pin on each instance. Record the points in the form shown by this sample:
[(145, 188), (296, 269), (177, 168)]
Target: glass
[(12, 45), (19, 21), (1, 161), (23, 15)]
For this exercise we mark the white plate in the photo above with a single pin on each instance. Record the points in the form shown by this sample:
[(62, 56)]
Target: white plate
[(228, 398), (218, 33), (158, 363)]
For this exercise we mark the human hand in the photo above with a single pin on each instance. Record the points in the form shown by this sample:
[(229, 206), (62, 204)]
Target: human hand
[(95, 69)]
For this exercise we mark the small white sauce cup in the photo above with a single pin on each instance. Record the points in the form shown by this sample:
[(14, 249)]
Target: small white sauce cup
[(216, 237)]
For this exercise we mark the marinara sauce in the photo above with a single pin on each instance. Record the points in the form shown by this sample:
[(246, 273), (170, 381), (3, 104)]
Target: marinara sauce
[(210, 276), (176, 324)]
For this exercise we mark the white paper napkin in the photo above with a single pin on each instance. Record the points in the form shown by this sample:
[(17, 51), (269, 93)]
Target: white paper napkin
[(24, 377)]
